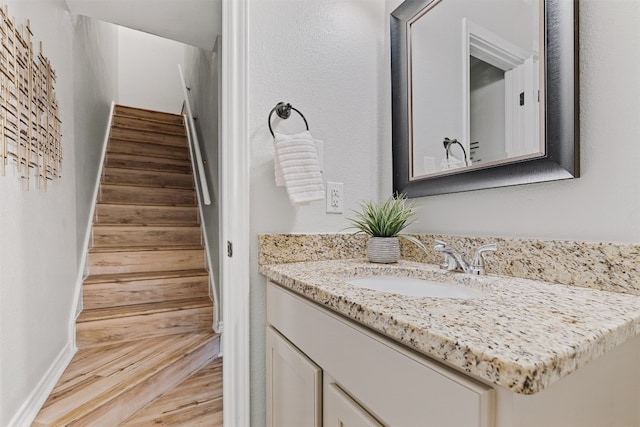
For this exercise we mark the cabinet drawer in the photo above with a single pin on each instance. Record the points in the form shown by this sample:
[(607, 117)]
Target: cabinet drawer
[(395, 385)]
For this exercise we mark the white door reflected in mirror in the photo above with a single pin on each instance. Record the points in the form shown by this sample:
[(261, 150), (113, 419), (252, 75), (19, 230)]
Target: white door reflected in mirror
[(475, 85)]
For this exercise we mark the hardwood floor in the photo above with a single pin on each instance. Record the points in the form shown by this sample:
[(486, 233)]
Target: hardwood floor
[(103, 386), (195, 402)]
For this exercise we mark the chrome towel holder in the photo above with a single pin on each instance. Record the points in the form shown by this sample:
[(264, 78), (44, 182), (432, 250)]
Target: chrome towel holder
[(284, 112)]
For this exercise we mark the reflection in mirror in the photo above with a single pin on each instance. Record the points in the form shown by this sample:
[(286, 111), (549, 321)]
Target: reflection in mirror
[(475, 81), (486, 90)]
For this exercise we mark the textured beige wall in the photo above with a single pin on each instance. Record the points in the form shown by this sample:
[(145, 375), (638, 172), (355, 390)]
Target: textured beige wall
[(327, 58), (38, 230), (602, 205)]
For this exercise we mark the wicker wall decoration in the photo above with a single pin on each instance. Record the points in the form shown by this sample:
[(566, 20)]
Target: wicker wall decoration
[(30, 128)]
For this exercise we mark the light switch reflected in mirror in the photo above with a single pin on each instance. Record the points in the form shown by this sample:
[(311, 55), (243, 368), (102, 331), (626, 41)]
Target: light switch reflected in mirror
[(475, 79)]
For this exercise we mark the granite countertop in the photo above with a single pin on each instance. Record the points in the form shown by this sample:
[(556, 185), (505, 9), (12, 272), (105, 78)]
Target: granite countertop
[(520, 334)]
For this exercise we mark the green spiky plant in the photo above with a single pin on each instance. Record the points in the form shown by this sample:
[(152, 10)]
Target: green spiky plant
[(386, 219)]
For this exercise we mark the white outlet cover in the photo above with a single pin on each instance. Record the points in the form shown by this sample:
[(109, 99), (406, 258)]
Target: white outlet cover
[(335, 197)]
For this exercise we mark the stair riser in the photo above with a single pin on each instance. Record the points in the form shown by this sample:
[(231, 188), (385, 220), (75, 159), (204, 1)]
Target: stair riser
[(116, 411), (147, 178), (132, 328), (152, 150), (146, 196), (122, 110), (114, 236), (147, 125), (145, 261), (149, 137), (132, 214), (130, 161), (116, 294)]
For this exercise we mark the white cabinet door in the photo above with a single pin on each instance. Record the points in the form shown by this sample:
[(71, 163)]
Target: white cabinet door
[(342, 411), (401, 388), (294, 385)]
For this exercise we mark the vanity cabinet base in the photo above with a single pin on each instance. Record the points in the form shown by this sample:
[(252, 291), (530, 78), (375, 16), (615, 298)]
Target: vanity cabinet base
[(371, 380)]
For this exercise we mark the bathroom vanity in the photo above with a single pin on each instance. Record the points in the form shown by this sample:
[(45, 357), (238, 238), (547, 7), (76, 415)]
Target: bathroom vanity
[(522, 353)]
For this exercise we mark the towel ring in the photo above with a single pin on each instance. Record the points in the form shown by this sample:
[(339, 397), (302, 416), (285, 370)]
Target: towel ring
[(284, 112)]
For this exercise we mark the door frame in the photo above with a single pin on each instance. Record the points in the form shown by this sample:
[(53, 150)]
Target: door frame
[(234, 208)]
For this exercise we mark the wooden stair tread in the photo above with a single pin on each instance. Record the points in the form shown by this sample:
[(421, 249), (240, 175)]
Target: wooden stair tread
[(95, 378), (142, 187), (167, 247), (128, 277), (144, 226), (137, 171), (142, 167), (142, 309)]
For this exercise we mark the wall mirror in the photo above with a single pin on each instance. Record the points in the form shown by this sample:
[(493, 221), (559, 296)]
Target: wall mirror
[(484, 94)]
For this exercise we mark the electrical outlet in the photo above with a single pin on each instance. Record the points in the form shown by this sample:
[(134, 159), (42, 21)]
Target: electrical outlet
[(335, 197)]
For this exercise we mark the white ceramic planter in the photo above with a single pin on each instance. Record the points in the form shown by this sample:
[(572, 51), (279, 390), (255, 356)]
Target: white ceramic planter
[(383, 250)]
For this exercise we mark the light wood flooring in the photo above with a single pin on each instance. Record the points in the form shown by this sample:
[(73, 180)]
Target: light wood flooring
[(195, 402)]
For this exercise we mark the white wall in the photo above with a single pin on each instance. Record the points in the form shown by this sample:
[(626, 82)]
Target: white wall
[(602, 205), (96, 86), (38, 246), (148, 69), (327, 58), (201, 70), (194, 22)]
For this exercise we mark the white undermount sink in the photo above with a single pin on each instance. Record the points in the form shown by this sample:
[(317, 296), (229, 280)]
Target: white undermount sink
[(413, 287)]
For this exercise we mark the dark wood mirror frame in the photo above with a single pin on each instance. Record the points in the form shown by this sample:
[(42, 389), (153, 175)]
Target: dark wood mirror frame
[(562, 158)]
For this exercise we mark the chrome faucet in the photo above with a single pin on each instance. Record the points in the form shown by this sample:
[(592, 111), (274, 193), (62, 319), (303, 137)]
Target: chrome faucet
[(452, 259)]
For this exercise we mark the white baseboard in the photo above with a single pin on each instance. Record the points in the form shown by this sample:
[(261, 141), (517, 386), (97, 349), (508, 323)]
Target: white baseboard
[(30, 408)]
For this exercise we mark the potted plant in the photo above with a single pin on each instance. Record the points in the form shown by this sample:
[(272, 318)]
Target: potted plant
[(383, 224)]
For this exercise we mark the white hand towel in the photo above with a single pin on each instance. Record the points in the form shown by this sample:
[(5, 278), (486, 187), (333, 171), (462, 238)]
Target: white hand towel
[(278, 169), (451, 163), (297, 167)]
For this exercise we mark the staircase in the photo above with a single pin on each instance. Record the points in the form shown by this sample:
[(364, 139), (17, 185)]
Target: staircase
[(147, 320)]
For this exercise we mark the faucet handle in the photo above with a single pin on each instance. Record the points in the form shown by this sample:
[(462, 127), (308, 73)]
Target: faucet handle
[(477, 266), (449, 263), (440, 245)]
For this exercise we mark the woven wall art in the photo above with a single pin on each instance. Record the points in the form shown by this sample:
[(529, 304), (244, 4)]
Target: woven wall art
[(31, 137)]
